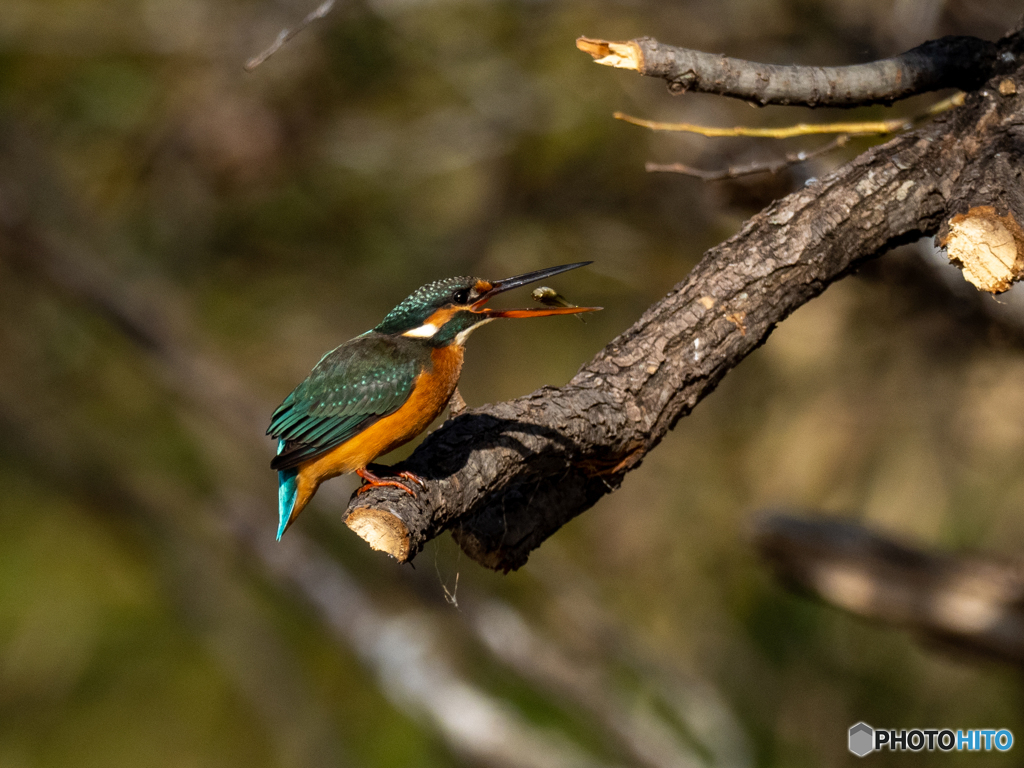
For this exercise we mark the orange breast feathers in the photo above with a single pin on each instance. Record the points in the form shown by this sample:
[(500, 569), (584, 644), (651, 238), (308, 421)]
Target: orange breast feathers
[(431, 392)]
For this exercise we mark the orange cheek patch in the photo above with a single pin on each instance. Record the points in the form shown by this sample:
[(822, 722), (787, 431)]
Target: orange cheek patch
[(440, 317)]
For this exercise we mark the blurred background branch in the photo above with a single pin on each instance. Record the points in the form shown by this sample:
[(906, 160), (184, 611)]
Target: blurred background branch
[(287, 34), (969, 604)]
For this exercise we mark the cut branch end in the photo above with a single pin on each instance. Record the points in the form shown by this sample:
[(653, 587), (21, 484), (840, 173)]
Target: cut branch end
[(622, 55), (988, 248), (382, 530)]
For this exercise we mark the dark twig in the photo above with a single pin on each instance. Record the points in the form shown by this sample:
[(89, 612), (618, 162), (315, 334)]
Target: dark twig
[(738, 171), (287, 34), (950, 62), (972, 604)]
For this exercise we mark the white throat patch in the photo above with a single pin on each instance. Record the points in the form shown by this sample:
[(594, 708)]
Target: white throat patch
[(461, 337), (426, 331)]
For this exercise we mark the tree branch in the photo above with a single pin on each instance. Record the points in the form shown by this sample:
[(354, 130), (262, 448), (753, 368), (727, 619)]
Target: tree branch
[(506, 476), (287, 34), (950, 62), (968, 603)]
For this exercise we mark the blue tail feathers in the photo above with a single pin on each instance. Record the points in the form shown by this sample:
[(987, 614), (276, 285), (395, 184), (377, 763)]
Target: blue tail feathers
[(287, 487)]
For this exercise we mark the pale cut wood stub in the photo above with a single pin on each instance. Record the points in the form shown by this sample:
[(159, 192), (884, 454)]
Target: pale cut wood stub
[(381, 529), (625, 55), (982, 230), (988, 248)]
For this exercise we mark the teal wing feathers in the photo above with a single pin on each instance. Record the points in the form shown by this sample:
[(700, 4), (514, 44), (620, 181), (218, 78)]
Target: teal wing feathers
[(352, 387)]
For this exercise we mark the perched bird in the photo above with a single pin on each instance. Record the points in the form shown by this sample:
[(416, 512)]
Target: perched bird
[(381, 389)]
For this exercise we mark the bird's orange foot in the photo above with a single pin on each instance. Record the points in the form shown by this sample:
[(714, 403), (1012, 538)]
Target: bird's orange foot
[(414, 478), (372, 481)]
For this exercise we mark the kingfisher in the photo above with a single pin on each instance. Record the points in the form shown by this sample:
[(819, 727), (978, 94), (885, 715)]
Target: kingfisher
[(379, 390)]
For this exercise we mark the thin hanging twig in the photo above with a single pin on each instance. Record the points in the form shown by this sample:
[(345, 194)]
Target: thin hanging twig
[(287, 34), (738, 171)]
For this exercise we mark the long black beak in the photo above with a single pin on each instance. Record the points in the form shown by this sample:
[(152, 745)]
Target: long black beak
[(509, 283)]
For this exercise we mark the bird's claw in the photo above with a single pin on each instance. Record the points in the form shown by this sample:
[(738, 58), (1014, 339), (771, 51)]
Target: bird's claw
[(414, 478), (372, 481)]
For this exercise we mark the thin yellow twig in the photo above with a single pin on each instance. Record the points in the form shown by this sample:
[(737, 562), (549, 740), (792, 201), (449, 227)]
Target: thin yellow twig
[(956, 100), (863, 128), (801, 129)]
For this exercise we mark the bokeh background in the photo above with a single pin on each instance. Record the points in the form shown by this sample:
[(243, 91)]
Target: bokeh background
[(180, 241)]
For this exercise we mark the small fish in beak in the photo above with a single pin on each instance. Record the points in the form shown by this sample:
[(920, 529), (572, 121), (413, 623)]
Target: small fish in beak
[(549, 297)]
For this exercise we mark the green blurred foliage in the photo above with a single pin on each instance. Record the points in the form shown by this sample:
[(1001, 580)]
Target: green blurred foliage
[(288, 209)]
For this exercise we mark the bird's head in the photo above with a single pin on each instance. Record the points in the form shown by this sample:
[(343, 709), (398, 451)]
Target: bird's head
[(447, 311)]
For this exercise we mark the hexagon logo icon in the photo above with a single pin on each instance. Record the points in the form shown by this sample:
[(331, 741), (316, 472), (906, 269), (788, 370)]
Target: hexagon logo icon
[(862, 739)]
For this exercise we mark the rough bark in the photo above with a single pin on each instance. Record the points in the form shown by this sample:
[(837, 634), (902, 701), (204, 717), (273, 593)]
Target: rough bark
[(506, 476), (951, 62), (983, 233)]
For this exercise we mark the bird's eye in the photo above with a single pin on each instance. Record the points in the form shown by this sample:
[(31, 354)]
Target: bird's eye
[(461, 296)]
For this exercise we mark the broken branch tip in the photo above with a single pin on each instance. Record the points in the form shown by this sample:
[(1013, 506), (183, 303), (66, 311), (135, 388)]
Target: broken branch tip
[(625, 55)]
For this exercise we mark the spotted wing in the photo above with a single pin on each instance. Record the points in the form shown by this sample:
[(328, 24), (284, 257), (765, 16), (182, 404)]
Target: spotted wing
[(357, 384)]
